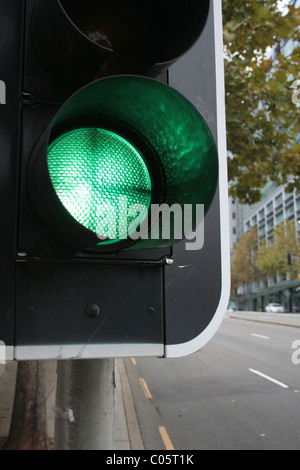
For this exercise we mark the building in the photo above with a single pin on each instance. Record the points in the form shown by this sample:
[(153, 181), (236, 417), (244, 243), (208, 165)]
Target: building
[(275, 207)]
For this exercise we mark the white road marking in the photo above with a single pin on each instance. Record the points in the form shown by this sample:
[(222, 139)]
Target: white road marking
[(259, 336), (267, 377)]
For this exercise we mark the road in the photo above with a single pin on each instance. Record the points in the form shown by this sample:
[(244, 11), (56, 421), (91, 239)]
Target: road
[(241, 392)]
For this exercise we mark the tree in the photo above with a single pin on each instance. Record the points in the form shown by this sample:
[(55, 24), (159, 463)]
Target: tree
[(262, 120), (28, 430), (244, 270), (256, 260), (286, 242), (268, 263), (272, 255)]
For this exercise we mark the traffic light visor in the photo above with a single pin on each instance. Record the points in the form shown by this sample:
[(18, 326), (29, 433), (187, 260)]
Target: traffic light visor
[(116, 149)]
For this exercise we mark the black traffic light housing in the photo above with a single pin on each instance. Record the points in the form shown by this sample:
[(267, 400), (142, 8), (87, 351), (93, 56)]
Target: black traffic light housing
[(56, 271)]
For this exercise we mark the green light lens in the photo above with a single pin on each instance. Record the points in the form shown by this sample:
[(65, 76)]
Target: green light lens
[(98, 175)]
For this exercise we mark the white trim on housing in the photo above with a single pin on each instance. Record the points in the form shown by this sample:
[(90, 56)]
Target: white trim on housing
[(185, 349), (87, 351)]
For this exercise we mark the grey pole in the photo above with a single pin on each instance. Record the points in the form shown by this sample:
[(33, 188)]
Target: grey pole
[(84, 404)]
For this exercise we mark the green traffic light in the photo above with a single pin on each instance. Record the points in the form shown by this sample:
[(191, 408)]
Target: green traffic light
[(127, 163), (167, 121), (92, 170)]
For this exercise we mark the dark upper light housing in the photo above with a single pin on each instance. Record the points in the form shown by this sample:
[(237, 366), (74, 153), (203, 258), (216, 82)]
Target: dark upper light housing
[(81, 40)]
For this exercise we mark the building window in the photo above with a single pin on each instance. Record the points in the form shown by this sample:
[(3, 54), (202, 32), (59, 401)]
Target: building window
[(270, 208), (279, 200), (279, 217), (290, 211), (270, 224), (262, 230)]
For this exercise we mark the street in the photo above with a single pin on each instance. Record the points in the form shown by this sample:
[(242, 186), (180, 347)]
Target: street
[(242, 391)]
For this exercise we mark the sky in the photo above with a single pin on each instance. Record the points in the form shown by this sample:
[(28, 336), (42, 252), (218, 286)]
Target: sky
[(283, 3)]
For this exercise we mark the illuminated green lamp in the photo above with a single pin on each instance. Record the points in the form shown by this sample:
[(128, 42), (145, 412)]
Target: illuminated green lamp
[(97, 174), (116, 149)]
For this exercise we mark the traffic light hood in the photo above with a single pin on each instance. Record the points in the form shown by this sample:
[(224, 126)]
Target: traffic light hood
[(125, 136)]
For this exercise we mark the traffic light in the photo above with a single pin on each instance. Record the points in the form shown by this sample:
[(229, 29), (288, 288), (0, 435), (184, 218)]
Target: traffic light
[(109, 175)]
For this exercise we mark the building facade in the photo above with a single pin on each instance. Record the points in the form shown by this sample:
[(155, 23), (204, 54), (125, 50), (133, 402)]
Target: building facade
[(275, 207)]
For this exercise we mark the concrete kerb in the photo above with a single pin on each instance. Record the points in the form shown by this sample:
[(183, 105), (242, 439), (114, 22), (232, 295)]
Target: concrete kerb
[(284, 319)]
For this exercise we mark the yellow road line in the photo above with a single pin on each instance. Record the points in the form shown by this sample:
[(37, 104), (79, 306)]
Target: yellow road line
[(165, 437), (146, 389), (133, 361)]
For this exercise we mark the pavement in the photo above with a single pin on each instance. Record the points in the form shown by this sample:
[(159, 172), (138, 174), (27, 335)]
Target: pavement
[(286, 319), (126, 429)]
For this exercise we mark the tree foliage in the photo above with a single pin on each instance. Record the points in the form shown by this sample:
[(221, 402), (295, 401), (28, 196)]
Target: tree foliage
[(272, 255), (263, 123), (254, 260), (243, 262)]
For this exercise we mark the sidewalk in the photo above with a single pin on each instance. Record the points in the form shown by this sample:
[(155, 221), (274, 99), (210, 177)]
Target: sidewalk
[(126, 429), (285, 319)]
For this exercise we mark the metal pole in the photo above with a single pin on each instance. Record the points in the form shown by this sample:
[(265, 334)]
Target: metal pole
[(84, 404)]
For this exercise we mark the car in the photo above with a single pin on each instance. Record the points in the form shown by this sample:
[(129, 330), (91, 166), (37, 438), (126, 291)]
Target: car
[(232, 307), (274, 308)]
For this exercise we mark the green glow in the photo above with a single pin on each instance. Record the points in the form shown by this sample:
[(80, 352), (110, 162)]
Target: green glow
[(184, 167), (94, 173), (168, 122)]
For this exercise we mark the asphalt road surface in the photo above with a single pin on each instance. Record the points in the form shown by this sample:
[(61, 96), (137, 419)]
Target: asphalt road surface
[(241, 392)]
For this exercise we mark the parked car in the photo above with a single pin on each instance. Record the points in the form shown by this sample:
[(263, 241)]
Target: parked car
[(274, 308), (232, 307)]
